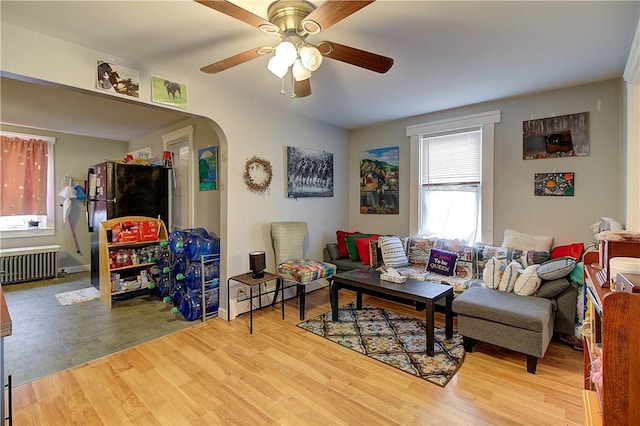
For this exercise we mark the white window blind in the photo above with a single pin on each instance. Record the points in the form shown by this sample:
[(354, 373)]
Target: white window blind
[(452, 158)]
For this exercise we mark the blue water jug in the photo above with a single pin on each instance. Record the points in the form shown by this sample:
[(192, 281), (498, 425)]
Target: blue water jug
[(163, 286), (193, 276), (177, 238), (190, 306), (177, 292), (179, 265), (164, 256)]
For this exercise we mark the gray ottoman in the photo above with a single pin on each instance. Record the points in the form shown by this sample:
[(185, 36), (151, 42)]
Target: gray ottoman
[(520, 323)]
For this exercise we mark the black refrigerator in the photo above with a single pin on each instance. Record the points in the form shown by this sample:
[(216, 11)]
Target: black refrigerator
[(117, 190)]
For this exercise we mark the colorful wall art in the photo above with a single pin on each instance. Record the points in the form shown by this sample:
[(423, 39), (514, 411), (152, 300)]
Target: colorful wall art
[(208, 168), (553, 137), (554, 184), (379, 181), (309, 173)]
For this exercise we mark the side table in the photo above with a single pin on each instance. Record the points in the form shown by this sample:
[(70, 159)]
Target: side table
[(248, 279)]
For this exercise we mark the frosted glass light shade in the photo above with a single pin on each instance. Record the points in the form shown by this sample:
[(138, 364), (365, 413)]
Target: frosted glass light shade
[(277, 67), (299, 71), (287, 53), (311, 57)]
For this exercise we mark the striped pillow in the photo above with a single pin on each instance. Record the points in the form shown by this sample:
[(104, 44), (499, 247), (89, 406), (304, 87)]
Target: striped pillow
[(509, 276), (393, 253)]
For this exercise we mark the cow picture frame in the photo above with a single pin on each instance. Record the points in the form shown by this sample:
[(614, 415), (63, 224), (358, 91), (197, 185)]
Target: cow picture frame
[(168, 92)]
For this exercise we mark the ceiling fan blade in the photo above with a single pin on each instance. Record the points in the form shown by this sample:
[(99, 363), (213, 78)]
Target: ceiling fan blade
[(330, 13), (302, 88), (357, 57), (240, 14), (234, 60)]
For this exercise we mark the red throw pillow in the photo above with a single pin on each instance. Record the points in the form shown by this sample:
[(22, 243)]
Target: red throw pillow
[(362, 245), (569, 250), (343, 251)]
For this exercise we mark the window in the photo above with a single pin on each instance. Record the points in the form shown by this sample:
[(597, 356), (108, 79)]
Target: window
[(451, 182), (451, 189), (26, 167)]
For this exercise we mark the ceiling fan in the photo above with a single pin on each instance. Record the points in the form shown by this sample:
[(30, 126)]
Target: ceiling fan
[(293, 21)]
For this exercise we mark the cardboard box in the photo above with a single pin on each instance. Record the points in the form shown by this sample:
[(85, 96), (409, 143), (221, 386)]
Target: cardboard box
[(148, 230), (125, 232)]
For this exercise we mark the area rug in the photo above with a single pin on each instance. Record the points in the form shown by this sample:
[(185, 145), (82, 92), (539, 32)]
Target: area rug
[(394, 339), (78, 296)]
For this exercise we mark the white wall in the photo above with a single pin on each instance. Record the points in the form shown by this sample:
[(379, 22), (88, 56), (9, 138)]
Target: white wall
[(245, 128), (598, 177)]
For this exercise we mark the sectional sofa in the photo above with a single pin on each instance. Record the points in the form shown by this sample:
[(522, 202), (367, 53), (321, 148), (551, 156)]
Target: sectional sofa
[(560, 287)]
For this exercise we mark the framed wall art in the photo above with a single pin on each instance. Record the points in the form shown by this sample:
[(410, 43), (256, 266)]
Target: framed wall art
[(208, 168), (309, 173), (379, 181), (115, 78), (554, 184), (553, 137), (167, 92)]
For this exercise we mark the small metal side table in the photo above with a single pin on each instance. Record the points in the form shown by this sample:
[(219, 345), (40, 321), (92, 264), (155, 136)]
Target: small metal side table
[(248, 279)]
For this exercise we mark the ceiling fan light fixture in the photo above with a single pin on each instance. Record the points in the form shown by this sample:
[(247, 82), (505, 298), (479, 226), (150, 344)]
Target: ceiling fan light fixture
[(286, 52), (277, 67), (310, 57), (299, 71)]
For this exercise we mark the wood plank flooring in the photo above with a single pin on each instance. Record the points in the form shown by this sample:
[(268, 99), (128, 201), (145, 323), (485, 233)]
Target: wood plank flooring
[(216, 373)]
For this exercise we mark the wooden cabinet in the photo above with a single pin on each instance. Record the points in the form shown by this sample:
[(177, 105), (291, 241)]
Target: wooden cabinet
[(613, 341), (118, 278)]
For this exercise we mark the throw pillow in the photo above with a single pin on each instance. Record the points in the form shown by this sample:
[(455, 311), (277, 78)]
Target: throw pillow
[(528, 282), (393, 253), (343, 251), (352, 248), (556, 268), (518, 240), (572, 250), (509, 277), (363, 248), (551, 289), (442, 262), (375, 254), (332, 248), (492, 273)]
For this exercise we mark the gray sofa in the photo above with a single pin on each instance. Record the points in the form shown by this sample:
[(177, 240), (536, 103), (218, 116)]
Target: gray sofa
[(561, 295)]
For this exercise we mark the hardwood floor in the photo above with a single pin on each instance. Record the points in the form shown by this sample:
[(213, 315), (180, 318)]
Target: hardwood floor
[(216, 373)]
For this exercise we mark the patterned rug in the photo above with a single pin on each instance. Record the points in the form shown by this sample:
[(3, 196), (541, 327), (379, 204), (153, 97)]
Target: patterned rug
[(394, 339), (78, 296)]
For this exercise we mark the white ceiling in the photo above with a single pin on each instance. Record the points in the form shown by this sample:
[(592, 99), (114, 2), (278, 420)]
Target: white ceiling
[(447, 53)]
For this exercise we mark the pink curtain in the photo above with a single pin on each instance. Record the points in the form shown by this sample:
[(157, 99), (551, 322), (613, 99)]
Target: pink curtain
[(23, 170)]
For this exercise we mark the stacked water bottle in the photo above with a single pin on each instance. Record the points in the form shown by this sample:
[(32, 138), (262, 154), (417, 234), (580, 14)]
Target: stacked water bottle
[(189, 271)]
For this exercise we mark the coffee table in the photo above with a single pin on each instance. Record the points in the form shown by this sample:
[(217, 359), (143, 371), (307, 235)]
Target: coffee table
[(368, 281)]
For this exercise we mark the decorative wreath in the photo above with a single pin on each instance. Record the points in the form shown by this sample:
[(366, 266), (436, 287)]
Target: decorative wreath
[(257, 174)]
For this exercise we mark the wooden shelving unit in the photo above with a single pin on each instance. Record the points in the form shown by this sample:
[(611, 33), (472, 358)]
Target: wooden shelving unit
[(614, 318), (107, 246)]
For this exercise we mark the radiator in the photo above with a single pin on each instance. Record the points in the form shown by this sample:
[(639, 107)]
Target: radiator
[(28, 264)]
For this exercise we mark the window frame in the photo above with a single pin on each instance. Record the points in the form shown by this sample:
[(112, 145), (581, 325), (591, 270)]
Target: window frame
[(486, 122), (50, 226)]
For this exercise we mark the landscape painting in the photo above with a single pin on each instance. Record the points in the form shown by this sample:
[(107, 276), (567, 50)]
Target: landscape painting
[(379, 181), (208, 168), (553, 137), (309, 173)]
